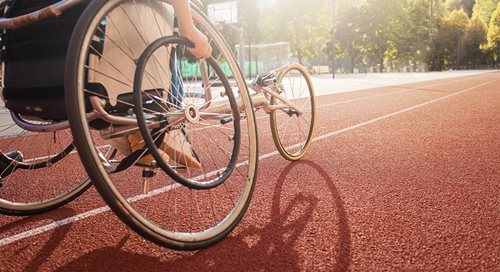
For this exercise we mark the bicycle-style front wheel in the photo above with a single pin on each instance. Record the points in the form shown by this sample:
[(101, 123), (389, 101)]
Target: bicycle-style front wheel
[(293, 128), (106, 47)]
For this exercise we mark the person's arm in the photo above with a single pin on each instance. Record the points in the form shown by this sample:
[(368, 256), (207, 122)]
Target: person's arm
[(202, 49)]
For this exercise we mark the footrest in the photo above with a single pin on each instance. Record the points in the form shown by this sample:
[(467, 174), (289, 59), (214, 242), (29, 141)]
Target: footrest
[(8, 162)]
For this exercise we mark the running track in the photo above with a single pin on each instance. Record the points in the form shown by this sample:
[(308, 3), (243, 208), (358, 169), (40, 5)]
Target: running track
[(398, 178)]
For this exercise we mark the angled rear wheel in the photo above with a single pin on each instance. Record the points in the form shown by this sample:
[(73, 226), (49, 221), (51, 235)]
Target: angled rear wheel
[(161, 208)]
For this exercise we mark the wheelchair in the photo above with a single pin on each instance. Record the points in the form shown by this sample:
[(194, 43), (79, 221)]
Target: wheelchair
[(92, 88)]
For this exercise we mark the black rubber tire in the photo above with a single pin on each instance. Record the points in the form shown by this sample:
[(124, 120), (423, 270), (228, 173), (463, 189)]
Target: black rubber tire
[(76, 111)]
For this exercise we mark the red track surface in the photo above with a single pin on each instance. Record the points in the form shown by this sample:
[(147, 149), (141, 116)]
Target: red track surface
[(400, 178)]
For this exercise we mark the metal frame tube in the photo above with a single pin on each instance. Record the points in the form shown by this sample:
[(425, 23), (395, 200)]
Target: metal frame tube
[(53, 10), (62, 125)]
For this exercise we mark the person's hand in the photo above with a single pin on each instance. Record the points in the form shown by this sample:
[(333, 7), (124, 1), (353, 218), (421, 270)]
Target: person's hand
[(202, 48)]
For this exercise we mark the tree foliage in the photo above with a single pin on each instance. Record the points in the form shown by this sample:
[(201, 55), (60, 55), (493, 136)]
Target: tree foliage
[(494, 34), (347, 33), (381, 34), (484, 9), (467, 5), (383, 18), (446, 47), (305, 26), (474, 39), (248, 12)]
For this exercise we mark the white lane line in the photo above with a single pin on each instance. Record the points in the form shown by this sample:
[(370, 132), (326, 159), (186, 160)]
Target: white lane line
[(73, 219), (325, 136), (51, 226), (404, 90)]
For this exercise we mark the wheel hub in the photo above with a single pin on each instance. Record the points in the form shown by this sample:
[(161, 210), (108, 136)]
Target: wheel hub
[(192, 113)]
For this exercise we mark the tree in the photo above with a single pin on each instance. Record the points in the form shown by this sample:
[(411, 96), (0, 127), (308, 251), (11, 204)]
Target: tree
[(304, 25), (467, 5), (412, 36), (484, 9), (448, 45), (494, 34), (348, 35), (249, 16), (381, 28), (474, 39), (382, 32)]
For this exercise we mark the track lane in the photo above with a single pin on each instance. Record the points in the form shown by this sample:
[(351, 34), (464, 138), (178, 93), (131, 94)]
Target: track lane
[(84, 206), (375, 108)]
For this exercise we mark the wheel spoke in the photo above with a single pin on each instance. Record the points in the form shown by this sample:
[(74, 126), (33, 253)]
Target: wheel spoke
[(294, 131), (201, 189)]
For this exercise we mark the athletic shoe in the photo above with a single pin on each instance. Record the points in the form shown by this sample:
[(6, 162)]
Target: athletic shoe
[(136, 143), (175, 146), (179, 148)]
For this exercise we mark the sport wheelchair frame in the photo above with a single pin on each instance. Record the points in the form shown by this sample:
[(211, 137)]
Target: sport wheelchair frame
[(168, 100)]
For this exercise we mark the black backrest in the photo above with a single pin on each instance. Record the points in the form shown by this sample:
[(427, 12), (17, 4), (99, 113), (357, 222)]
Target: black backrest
[(34, 56)]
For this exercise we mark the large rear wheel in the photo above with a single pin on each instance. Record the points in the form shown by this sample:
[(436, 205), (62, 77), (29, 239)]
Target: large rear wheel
[(107, 43)]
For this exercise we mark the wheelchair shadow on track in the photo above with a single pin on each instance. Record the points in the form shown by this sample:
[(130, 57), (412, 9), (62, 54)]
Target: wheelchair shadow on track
[(270, 247), (49, 246), (19, 222)]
